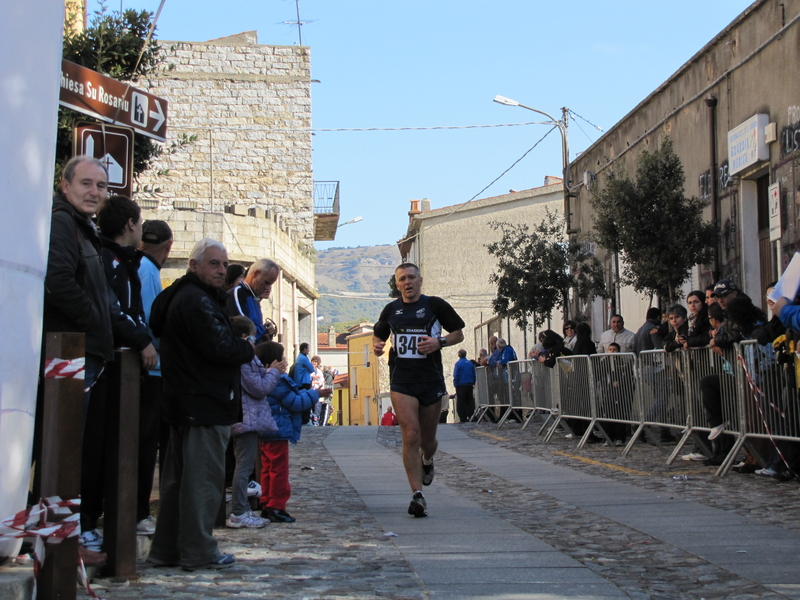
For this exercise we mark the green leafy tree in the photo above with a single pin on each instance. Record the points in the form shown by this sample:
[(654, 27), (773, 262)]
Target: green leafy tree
[(657, 231), (393, 291), (538, 268), (111, 45)]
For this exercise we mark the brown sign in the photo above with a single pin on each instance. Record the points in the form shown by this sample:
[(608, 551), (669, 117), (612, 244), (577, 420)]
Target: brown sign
[(114, 147), (100, 96)]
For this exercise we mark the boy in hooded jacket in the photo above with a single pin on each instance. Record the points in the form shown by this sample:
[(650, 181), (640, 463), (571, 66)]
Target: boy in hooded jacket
[(287, 402)]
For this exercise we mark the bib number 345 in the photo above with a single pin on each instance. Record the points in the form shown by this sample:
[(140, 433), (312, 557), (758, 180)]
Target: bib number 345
[(407, 346)]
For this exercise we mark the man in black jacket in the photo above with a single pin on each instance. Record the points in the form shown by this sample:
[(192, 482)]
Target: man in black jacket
[(200, 363), (76, 297)]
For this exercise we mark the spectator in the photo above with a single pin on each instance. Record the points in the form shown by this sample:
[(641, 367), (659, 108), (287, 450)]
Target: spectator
[(76, 300), (502, 355), (583, 340), (537, 349), (389, 419), (726, 290), (245, 299), (464, 382), (554, 344), (302, 369), (287, 402), (200, 359), (317, 383), (648, 337), (711, 297), (678, 328), (257, 383), (697, 334), (120, 223), (483, 357), (618, 334), (153, 432), (569, 334), (234, 275)]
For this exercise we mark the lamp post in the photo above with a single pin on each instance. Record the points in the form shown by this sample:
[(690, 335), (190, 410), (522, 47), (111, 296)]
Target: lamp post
[(354, 220), (563, 127)]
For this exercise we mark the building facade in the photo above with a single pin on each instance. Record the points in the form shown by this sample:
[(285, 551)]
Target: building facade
[(449, 246), (733, 115)]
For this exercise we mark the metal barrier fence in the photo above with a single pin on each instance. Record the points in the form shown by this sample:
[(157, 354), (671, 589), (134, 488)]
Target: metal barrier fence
[(492, 392), (754, 394)]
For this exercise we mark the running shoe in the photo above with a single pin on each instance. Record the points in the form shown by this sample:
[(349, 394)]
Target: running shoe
[(146, 526), (716, 431), (693, 456), (427, 473), (248, 519), (277, 515), (253, 489), (418, 507), (92, 540), (767, 472), (223, 561)]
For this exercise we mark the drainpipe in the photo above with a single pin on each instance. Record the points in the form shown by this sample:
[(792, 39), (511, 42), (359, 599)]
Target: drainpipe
[(711, 103)]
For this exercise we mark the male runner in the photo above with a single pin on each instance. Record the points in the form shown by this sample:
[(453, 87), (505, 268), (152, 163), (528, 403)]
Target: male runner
[(416, 323)]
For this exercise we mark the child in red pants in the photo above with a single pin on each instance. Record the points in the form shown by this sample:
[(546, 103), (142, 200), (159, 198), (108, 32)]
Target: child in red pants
[(287, 403)]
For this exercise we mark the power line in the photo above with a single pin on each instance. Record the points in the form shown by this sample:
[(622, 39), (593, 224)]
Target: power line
[(432, 128)]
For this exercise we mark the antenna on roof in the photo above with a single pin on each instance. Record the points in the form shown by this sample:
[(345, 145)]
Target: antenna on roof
[(298, 22)]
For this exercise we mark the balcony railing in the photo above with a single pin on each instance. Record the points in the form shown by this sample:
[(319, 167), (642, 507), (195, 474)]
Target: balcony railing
[(326, 197)]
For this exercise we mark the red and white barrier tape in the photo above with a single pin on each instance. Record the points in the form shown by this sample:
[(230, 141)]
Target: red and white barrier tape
[(60, 368), (52, 520)]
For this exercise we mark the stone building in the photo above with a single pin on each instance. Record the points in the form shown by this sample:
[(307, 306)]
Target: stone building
[(733, 114), (449, 246), (237, 165)]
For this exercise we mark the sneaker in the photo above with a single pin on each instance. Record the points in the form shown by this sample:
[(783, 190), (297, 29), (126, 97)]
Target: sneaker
[(253, 489), (223, 561), (418, 506), (277, 516), (619, 443), (247, 519), (694, 456), (427, 473), (146, 526), (716, 431), (92, 540), (767, 472)]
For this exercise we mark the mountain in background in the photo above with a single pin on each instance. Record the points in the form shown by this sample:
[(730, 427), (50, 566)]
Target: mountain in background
[(353, 284)]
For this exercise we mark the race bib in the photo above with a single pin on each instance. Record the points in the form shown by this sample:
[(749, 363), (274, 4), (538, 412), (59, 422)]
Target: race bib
[(406, 345)]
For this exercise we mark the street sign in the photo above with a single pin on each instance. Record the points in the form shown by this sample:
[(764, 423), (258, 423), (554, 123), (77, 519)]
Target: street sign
[(774, 194), (114, 147), (100, 96)]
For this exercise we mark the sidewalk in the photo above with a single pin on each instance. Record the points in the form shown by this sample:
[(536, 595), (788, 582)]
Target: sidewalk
[(510, 517)]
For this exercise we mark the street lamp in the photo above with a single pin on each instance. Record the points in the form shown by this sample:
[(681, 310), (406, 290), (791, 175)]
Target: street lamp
[(355, 220), (563, 126)]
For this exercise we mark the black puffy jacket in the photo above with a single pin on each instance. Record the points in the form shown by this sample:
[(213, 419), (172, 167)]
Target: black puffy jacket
[(75, 288), (200, 357)]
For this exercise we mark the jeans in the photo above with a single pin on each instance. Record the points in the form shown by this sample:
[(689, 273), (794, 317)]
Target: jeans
[(191, 494), (245, 447)]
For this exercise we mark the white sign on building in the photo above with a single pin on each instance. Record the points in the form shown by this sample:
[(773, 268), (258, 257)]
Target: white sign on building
[(746, 144), (774, 195)]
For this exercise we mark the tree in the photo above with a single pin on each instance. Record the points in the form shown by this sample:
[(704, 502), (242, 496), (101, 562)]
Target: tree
[(658, 232), (111, 45), (537, 269), (393, 291)]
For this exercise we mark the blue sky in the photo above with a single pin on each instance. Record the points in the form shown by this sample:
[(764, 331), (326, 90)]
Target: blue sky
[(409, 63)]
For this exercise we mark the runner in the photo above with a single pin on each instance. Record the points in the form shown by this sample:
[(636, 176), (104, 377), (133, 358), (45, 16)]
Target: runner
[(415, 323)]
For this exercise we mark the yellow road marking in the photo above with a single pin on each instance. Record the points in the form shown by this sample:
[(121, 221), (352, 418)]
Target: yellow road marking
[(602, 464), (491, 435)]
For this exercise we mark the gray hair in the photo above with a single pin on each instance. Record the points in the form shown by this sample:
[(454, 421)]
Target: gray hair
[(72, 164), (264, 265), (200, 248), (501, 342)]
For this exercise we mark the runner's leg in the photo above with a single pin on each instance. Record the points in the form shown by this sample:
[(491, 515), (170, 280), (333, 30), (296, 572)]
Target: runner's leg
[(407, 409), (428, 422)]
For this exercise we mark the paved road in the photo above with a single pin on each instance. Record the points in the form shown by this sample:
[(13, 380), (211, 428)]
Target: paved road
[(510, 517)]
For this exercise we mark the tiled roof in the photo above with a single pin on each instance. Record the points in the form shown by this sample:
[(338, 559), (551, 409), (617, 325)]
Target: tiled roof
[(322, 341)]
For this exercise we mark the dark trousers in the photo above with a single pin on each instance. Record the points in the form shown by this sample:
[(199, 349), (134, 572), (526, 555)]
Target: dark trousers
[(93, 463), (149, 434), (465, 402)]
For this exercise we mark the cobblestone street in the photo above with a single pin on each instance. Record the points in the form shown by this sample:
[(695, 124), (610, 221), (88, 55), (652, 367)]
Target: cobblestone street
[(338, 549)]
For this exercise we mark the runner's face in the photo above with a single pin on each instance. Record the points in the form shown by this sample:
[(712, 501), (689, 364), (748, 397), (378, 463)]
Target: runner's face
[(409, 283)]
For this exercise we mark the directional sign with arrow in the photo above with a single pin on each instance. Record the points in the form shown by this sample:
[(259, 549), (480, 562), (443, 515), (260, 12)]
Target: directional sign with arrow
[(97, 95)]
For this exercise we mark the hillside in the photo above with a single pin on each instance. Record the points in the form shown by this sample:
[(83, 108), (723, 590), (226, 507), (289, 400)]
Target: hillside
[(354, 282)]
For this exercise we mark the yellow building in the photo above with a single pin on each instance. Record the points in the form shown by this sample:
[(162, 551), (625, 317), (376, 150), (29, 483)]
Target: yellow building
[(364, 369)]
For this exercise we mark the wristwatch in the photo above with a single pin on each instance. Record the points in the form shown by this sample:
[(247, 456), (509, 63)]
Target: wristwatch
[(442, 342)]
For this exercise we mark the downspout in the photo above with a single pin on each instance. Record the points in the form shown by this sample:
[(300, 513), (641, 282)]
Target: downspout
[(711, 103)]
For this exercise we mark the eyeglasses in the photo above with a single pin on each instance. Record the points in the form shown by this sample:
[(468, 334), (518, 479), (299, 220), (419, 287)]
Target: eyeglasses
[(567, 328)]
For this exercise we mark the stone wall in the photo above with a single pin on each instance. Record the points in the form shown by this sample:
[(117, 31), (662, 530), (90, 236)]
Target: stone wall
[(249, 107)]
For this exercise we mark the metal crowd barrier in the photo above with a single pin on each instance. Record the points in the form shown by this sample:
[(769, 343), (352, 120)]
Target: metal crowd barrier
[(616, 387), (529, 391), (492, 390)]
